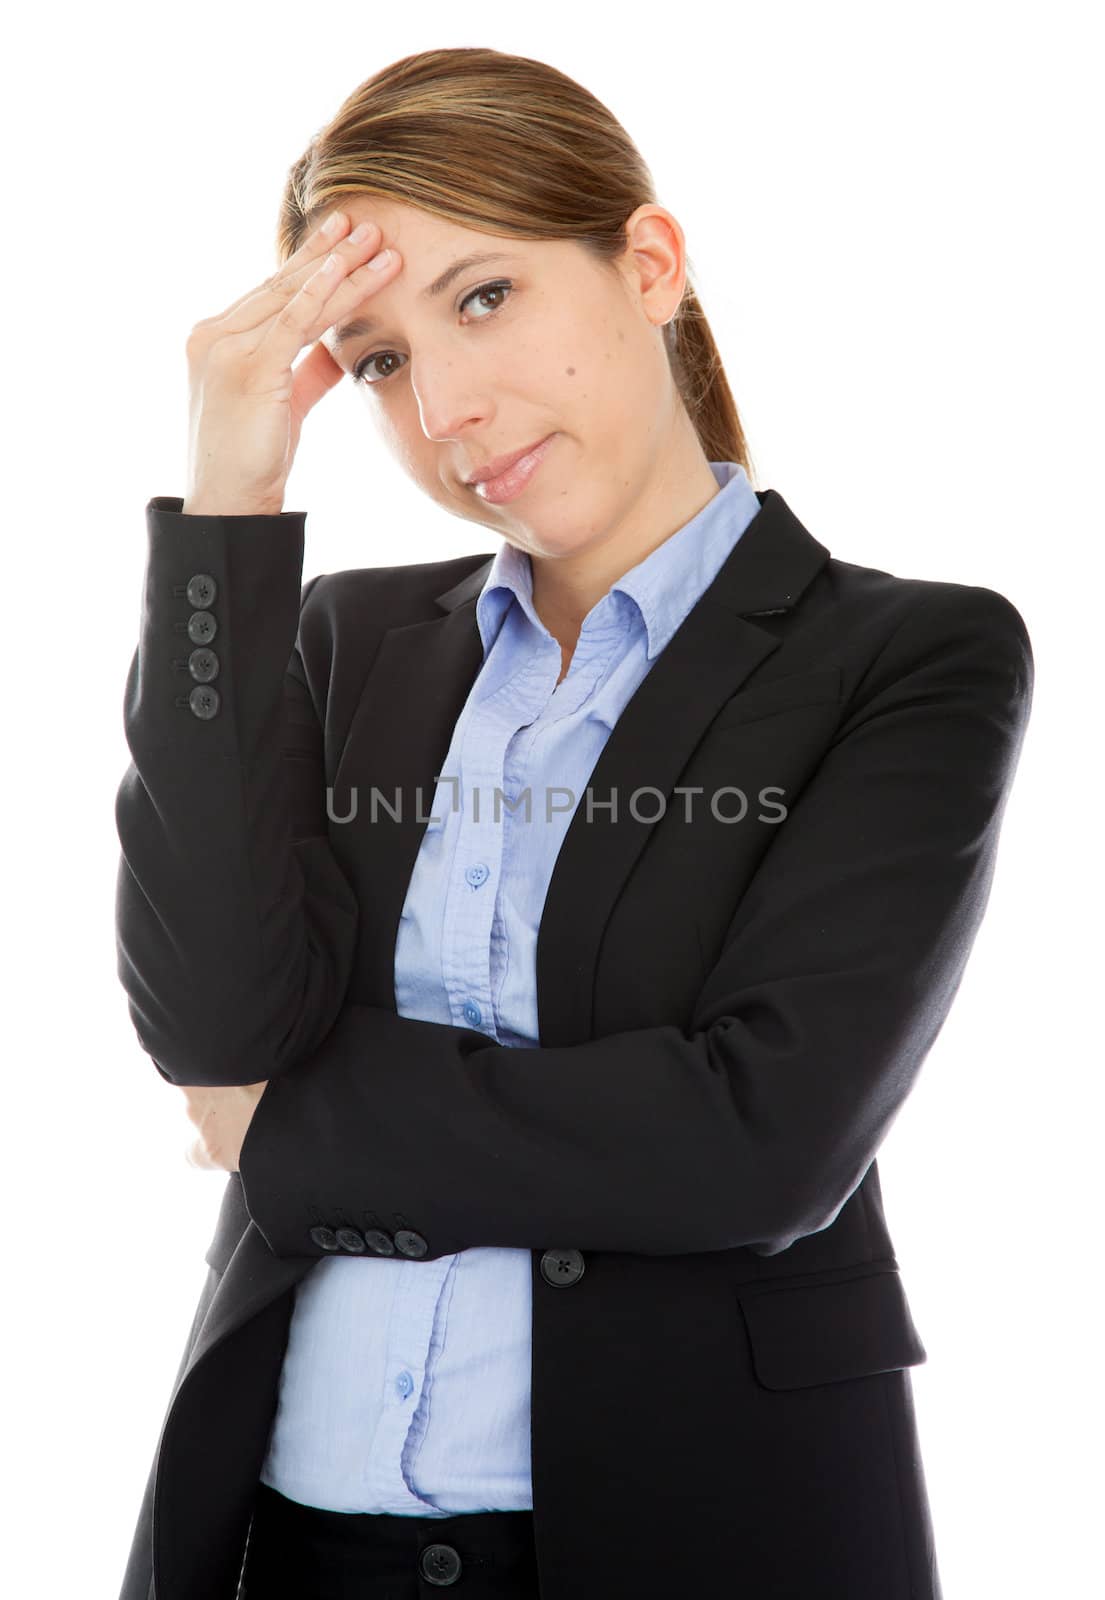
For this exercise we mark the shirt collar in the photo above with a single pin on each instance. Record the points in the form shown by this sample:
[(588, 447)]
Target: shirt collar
[(665, 586)]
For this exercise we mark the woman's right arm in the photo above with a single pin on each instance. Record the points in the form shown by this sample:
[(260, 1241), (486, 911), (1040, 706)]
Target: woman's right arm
[(235, 926)]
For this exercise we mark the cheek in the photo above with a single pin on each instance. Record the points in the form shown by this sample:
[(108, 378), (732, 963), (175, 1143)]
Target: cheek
[(399, 424), (603, 400), (389, 424), (604, 371)]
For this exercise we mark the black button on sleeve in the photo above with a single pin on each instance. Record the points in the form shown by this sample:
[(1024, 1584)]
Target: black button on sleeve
[(379, 1241), (325, 1238), (409, 1243), (204, 701), (201, 590), (351, 1240), (203, 664), (202, 627)]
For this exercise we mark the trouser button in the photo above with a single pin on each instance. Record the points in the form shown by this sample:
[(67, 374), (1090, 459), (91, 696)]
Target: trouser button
[(439, 1564)]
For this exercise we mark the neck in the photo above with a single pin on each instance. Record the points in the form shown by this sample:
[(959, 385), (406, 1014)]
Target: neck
[(565, 588)]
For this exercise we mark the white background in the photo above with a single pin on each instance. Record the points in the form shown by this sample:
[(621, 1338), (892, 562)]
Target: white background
[(893, 217)]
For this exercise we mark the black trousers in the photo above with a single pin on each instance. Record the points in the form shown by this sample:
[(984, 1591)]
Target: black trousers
[(298, 1552)]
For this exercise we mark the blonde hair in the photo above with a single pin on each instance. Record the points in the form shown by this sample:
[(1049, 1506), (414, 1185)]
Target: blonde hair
[(507, 145)]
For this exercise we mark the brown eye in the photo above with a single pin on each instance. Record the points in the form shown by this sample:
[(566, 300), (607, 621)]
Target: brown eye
[(503, 286), (365, 363), (366, 372)]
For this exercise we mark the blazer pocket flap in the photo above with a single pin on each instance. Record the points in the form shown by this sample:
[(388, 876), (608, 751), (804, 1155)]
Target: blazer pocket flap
[(232, 1222), (821, 685), (822, 1332)]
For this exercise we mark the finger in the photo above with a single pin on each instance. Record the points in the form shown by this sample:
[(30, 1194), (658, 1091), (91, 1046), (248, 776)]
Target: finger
[(261, 302), (333, 288), (314, 247)]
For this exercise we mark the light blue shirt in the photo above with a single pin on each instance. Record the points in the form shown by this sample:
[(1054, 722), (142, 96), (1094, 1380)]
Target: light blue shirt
[(405, 1386)]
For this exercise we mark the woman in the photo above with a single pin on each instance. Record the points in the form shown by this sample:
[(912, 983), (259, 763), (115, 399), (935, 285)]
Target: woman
[(552, 1257)]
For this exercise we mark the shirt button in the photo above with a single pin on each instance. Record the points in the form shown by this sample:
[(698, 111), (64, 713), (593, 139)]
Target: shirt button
[(404, 1383), (472, 1013), (476, 875)]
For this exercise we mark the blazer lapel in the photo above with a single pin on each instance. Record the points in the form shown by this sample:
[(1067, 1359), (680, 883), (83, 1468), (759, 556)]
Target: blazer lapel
[(394, 751), (704, 663)]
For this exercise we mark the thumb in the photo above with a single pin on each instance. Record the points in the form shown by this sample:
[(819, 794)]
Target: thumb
[(315, 375)]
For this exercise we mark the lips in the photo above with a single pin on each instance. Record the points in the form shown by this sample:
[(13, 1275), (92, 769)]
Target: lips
[(500, 464), (507, 485)]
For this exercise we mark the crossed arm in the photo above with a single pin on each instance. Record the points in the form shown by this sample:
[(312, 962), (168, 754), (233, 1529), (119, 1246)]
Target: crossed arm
[(751, 1128)]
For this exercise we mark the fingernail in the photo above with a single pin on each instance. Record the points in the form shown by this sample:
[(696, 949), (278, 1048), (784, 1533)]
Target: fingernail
[(332, 223), (380, 260)]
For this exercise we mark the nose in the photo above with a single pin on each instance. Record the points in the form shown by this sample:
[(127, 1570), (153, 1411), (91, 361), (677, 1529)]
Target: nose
[(448, 407)]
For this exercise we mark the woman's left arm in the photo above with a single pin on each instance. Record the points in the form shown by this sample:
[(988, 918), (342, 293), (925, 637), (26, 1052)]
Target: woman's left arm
[(841, 963), (221, 1115)]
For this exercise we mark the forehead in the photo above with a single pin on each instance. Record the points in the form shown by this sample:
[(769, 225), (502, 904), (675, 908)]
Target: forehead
[(357, 324), (431, 248), (398, 221), (416, 233)]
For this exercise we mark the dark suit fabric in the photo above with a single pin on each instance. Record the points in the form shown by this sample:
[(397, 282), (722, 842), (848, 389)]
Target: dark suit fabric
[(732, 1014)]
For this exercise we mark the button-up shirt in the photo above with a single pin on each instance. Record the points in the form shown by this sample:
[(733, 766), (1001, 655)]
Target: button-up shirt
[(405, 1385)]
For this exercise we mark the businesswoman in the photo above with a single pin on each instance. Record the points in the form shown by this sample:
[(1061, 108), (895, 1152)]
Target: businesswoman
[(545, 939)]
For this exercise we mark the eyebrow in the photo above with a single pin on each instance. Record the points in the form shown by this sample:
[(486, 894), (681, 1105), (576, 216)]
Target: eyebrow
[(362, 325)]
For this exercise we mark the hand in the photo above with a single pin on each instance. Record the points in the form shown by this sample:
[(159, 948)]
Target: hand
[(247, 405), (223, 1116)]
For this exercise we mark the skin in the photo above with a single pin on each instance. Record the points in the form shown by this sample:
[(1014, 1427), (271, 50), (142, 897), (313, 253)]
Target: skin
[(222, 1117), (574, 348)]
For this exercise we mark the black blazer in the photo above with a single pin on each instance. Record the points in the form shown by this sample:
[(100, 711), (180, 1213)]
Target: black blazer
[(732, 1014)]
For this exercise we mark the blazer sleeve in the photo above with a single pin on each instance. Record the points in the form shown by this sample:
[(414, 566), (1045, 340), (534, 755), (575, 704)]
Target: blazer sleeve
[(235, 927), (753, 1127)]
